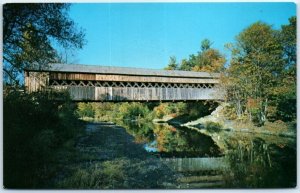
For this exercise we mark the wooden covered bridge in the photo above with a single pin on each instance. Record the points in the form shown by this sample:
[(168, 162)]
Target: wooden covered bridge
[(105, 83)]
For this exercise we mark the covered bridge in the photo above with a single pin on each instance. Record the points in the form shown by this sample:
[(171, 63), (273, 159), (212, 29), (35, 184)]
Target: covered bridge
[(107, 83)]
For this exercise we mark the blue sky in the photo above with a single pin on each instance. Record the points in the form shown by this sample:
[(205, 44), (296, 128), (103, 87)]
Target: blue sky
[(145, 35)]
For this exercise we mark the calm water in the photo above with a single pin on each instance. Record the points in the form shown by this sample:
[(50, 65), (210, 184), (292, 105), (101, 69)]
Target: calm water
[(250, 162)]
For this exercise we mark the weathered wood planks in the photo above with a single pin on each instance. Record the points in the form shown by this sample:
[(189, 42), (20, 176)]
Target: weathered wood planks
[(124, 84), (127, 78), (82, 93)]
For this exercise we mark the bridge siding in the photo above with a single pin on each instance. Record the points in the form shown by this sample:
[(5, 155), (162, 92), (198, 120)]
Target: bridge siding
[(35, 81), (81, 93), (127, 78)]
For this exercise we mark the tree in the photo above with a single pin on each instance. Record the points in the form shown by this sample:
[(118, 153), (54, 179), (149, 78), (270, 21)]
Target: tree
[(207, 60), (31, 31), (289, 40), (285, 93), (172, 64), (255, 70), (205, 45), (210, 60), (187, 65)]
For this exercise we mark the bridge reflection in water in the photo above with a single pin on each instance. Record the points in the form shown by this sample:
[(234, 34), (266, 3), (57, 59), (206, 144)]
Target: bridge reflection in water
[(104, 83), (205, 172), (193, 156), (197, 164)]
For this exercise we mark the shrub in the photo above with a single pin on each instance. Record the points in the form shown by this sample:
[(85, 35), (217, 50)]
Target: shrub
[(85, 110), (134, 111)]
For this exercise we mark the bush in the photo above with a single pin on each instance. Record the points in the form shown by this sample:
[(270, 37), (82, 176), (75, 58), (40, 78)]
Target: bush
[(85, 110), (134, 111)]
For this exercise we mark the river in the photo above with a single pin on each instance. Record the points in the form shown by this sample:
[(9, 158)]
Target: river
[(146, 155)]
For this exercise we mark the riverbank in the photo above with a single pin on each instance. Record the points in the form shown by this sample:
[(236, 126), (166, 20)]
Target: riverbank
[(227, 131), (258, 156), (108, 157)]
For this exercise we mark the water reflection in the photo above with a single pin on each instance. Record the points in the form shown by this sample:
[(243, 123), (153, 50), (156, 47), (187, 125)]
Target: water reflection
[(250, 162), (256, 164), (169, 141)]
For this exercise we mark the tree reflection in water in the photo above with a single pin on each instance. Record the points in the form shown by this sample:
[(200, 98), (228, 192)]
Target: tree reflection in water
[(253, 163), (256, 164), (168, 141)]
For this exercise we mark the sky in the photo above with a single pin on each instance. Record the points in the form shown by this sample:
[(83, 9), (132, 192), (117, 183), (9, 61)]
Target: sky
[(145, 35)]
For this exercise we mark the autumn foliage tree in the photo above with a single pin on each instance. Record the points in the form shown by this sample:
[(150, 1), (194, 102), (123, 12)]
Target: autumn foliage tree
[(258, 72), (206, 60)]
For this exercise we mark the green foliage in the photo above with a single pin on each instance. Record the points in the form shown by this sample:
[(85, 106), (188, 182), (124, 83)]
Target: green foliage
[(103, 111), (229, 112), (205, 45), (172, 64), (200, 109), (159, 112), (256, 116), (33, 135), (287, 109), (120, 173), (213, 126), (109, 174), (256, 164), (191, 109), (207, 60), (288, 37), (181, 141), (134, 111), (142, 130), (286, 93), (262, 73), (30, 31), (85, 110), (113, 111), (175, 109)]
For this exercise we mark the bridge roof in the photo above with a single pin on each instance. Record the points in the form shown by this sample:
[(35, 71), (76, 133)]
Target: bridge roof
[(93, 69)]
